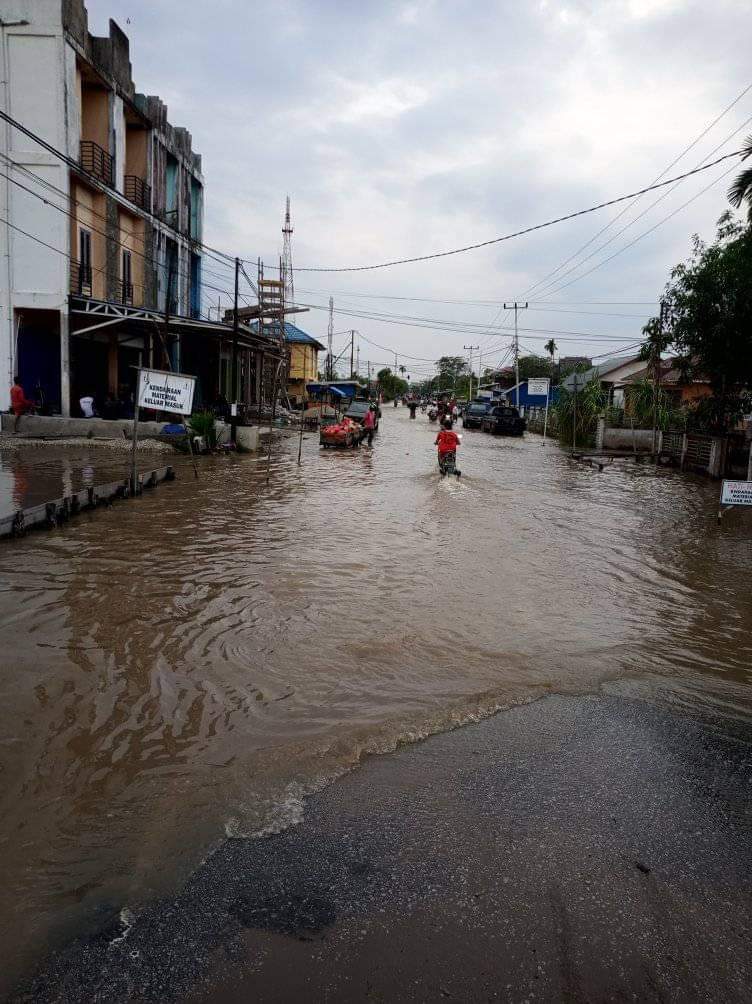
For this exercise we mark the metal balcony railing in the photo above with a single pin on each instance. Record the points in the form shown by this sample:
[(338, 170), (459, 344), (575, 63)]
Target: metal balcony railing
[(138, 191), (80, 278), (98, 162), (126, 293)]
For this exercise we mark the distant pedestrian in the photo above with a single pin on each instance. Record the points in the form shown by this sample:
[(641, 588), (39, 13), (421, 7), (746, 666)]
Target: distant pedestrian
[(412, 405), (19, 403), (369, 424)]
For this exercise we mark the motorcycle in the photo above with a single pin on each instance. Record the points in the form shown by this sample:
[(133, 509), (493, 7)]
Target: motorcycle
[(448, 465)]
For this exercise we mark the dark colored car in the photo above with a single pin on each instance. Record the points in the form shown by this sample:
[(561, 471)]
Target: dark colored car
[(357, 411), (475, 412), (504, 420)]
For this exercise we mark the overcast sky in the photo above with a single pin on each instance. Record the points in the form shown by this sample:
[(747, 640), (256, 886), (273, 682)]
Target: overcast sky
[(404, 128)]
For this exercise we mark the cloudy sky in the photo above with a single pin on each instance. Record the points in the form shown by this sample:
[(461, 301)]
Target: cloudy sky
[(408, 127)]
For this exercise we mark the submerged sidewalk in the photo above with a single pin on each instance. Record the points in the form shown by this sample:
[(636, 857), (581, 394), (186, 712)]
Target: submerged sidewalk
[(579, 848)]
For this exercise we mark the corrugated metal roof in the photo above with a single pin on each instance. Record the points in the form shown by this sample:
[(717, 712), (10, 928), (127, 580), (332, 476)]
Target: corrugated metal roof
[(293, 334)]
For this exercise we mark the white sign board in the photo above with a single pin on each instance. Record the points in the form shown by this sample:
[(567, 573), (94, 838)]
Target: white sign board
[(537, 387), (736, 493), (164, 391)]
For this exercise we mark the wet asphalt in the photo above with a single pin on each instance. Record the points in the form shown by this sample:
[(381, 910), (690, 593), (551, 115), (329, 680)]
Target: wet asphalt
[(590, 848)]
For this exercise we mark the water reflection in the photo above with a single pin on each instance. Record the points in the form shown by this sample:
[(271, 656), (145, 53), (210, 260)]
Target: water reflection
[(192, 663)]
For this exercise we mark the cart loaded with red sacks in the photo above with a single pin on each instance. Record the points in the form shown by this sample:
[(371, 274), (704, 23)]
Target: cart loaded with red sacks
[(345, 434)]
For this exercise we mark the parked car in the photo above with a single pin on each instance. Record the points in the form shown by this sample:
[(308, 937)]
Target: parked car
[(475, 412), (503, 420), (357, 411)]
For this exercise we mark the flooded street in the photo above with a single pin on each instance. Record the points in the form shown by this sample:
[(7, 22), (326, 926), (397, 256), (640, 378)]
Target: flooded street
[(191, 665)]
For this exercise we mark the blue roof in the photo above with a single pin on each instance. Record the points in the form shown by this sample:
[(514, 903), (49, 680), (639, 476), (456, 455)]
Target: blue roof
[(294, 334)]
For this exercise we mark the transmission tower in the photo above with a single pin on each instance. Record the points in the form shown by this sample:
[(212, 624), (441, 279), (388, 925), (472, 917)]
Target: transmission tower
[(287, 256)]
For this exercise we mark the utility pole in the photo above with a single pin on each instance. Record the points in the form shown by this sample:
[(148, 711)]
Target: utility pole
[(234, 377), (656, 353), (352, 351), (330, 342), (574, 419), (168, 298), (471, 349), (516, 306)]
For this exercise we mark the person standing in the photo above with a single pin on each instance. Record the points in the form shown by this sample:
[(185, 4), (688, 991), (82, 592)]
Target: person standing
[(19, 403), (369, 424)]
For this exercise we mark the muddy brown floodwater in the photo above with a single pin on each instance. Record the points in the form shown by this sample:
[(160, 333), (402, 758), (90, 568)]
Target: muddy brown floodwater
[(189, 666)]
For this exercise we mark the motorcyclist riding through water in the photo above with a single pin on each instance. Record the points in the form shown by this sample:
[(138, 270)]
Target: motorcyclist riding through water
[(447, 441)]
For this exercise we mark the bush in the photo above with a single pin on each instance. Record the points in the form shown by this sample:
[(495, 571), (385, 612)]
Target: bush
[(201, 423), (591, 402)]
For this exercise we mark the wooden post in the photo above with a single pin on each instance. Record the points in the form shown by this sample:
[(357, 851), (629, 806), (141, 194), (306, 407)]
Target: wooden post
[(271, 421)]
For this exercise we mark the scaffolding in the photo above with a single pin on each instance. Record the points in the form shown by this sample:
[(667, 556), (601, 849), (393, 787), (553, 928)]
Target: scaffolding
[(271, 325)]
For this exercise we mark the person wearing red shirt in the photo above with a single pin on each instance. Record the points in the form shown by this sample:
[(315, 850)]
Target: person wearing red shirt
[(447, 441), (19, 404), (369, 424)]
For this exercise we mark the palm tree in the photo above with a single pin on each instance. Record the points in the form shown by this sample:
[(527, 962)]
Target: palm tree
[(742, 186), (551, 347)]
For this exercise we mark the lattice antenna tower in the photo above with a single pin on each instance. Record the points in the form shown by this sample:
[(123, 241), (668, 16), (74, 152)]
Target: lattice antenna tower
[(287, 256)]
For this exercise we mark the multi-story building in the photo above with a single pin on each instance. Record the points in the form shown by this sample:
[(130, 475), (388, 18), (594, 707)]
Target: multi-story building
[(102, 204), (303, 365)]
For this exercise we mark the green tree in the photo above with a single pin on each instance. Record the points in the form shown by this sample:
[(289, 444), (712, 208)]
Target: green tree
[(451, 371), (391, 385), (534, 366), (741, 190), (708, 317)]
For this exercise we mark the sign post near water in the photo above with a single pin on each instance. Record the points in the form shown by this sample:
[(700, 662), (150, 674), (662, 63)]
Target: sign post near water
[(161, 391), (539, 387), (734, 493)]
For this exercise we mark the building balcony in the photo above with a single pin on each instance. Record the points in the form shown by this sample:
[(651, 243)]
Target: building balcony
[(138, 191), (98, 162), (80, 278), (126, 293)]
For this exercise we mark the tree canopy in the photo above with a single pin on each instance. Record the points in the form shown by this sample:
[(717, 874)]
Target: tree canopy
[(391, 385), (708, 317)]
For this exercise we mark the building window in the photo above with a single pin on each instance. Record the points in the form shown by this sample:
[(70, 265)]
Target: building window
[(127, 278), (84, 262)]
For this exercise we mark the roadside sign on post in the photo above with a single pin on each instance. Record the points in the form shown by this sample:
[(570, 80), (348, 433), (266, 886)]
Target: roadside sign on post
[(734, 493), (538, 387), (160, 391), (163, 391)]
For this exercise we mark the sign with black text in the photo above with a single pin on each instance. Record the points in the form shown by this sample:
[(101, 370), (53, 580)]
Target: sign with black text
[(736, 493), (163, 391), (537, 387)]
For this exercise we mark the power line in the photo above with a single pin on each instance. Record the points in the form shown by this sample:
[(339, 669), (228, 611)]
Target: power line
[(520, 233), (658, 177), (553, 286), (100, 186), (647, 232)]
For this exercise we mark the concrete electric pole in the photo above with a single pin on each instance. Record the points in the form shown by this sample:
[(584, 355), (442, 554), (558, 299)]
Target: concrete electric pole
[(516, 306), (471, 349)]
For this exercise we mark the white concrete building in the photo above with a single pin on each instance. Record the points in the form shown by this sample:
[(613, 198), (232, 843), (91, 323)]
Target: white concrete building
[(101, 210)]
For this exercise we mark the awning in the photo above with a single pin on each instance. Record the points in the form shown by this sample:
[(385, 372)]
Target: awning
[(321, 388), (90, 315)]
